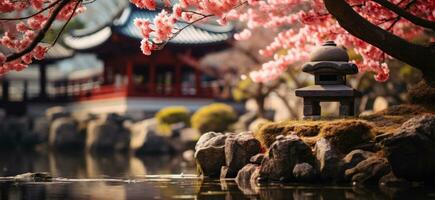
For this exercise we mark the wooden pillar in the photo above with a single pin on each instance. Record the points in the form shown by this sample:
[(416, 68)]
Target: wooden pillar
[(43, 81), (152, 78), (130, 84), (198, 82), (5, 90), (178, 78)]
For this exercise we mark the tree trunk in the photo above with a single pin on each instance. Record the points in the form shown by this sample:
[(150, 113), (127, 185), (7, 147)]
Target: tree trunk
[(260, 99), (418, 56)]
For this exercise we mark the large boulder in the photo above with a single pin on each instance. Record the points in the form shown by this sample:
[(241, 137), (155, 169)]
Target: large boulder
[(64, 134), (329, 160), (144, 139), (107, 133), (284, 154), (238, 150), (411, 149), (369, 172), (210, 153)]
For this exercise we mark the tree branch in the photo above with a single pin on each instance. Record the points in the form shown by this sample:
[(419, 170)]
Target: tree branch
[(418, 56), (407, 15), (32, 15), (41, 33)]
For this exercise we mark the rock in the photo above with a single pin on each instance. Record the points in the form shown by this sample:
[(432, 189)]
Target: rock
[(304, 172), (144, 139), (204, 139), (56, 112), (347, 135), (411, 149), (33, 177), (238, 150), (369, 171), (257, 159), (380, 103), (188, 155), (390, 180), (64, 134), (210, 154), (41, 128), (355, 157), (15, 131), (107, 134), (247, 177), (329, 161), (283, 155)]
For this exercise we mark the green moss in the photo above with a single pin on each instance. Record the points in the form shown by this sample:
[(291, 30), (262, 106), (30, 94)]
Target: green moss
[(267, 133), (216, 117), (171, 115), (346, 134), (343, 133), (388, 120)]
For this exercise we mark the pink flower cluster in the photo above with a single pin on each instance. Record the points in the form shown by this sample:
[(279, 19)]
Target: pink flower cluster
[(302, 26), (20, 34)]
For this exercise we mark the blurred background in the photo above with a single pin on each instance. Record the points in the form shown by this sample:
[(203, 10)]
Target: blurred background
[(97, 107)]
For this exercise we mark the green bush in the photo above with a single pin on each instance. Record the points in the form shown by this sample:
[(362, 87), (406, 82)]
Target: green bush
[(171, 115), (216, 117)]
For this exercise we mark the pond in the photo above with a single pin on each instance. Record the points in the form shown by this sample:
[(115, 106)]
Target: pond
[(122, 176)]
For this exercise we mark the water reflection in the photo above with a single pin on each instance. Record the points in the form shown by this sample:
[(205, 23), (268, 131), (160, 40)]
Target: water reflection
[(82, 165), (123, 176)]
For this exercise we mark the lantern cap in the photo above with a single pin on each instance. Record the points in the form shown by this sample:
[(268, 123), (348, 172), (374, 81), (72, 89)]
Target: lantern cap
[(329, 52), (330, 59)]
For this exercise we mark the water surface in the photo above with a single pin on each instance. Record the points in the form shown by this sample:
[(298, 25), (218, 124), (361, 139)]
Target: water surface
[(123, 176)]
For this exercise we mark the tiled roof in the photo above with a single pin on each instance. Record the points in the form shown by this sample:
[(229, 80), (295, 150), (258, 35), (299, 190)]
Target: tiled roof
[(198, 34), (195, 34)]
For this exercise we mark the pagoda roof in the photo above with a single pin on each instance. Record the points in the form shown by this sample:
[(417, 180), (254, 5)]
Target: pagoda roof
[(197, 34)]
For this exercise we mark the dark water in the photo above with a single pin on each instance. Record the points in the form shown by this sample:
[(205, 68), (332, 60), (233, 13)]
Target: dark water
[(121, 176)]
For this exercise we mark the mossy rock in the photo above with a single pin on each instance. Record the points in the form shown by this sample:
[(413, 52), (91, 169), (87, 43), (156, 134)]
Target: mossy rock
[(347, 134), (268, 132), (422, 94), (216, 117), (171, 115), (390, 119)]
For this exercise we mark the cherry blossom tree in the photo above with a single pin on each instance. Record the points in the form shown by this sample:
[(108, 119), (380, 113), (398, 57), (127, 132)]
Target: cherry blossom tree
[(377, 30)]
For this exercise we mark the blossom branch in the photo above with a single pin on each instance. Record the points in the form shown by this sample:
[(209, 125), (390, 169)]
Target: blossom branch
[(407, 15), (40, 34), (32, 15)]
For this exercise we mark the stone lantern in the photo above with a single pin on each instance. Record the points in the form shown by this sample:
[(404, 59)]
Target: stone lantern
[(329, 64)]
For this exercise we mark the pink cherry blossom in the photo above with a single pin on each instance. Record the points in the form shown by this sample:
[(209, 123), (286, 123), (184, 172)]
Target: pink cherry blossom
[(300, 25)]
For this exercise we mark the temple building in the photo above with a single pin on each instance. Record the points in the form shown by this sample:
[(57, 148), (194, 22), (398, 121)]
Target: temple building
[(130, 81)]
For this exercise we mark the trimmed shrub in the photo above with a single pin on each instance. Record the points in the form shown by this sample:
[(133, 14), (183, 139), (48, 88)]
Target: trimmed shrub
[(216, 117), (171, 115)]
